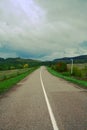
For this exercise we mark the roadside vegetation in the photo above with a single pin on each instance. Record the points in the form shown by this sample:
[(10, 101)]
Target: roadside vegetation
[(9, 78), (62, 70), (17, 63), (4, 75)]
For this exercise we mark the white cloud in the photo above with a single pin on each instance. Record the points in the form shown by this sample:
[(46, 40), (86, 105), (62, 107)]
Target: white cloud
[(43, 27)]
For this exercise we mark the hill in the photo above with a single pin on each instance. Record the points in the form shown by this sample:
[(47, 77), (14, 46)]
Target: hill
[(17, 63), (77, 59)]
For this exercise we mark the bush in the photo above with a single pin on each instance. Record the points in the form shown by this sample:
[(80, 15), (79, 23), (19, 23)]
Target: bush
[(61, 67), (53, 67)]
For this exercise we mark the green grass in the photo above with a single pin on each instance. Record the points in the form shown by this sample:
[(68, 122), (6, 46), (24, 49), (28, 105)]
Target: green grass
[(4, 75), (7, 84), (73, 80)]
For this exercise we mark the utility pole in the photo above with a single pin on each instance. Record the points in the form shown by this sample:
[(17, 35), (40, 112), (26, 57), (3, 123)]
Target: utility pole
[(72, 66)]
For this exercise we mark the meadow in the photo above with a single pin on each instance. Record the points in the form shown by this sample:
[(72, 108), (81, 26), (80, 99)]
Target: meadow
[(11, 77), (12, 73), (81, 66), (79, 70)]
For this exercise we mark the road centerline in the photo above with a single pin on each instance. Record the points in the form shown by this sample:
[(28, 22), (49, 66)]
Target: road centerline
[(53, 120)]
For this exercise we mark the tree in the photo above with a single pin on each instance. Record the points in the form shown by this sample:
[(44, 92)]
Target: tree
[(61, 67)]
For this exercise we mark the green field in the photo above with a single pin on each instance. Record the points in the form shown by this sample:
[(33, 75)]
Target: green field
[(79, 71), (7, 83), (80, 66), (12, 73), (68, 78)]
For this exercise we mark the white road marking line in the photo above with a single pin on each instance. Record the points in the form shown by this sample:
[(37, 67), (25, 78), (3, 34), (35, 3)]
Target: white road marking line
[(55, 127)]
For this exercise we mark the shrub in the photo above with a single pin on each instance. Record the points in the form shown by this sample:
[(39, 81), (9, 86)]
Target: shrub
[(61, 67), (53, 67)]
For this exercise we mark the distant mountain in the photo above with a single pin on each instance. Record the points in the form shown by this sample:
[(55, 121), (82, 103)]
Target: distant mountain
[(17, 63), (77, 59), (18, 59)]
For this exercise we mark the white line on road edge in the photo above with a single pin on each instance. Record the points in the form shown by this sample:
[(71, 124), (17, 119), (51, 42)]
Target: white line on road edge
[(55, 127)]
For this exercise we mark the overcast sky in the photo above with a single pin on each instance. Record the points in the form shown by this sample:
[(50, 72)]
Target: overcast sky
[(43, 29)]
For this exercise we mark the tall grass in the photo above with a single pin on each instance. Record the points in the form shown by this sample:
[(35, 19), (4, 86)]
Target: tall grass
[(7, 84), (12, 73)]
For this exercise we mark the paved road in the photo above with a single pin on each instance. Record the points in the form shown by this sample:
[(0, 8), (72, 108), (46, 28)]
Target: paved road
[(44, 102)]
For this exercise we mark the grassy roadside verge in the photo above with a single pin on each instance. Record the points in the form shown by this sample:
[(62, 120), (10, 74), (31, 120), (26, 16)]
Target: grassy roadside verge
[(7, 84), (4, 75), (73, 80)]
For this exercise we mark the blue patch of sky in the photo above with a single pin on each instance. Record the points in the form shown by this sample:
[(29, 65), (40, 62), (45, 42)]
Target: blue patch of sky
[(84, 44), (6, 49)]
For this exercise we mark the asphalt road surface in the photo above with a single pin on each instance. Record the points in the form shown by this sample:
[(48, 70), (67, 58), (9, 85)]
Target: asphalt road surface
[(44, 102)]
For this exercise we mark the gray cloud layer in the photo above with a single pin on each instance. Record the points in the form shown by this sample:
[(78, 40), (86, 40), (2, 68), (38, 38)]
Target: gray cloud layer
[(45, 29)]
